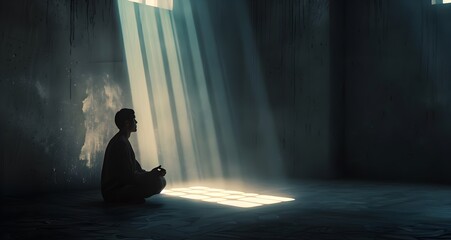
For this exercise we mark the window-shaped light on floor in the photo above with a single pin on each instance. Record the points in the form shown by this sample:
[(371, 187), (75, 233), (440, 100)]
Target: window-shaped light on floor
[(225, 197)]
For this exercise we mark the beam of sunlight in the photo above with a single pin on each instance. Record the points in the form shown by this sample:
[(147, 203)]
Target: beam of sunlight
[(148, 155), (226, 197), (177, 127), (210, 158), (181, 100), (219, 87), (164, 119), (270, 160)]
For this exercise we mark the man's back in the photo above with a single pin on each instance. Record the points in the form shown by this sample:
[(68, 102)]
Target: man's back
[(118, 165)]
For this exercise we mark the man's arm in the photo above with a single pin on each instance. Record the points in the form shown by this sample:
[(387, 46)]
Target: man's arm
[(146, 176)]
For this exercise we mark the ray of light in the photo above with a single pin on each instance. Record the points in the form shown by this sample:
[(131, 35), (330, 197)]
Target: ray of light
[(270, 158), (181, 99), (169, 135), (218, 90), (160, 92), (210, 158), (148, 155)]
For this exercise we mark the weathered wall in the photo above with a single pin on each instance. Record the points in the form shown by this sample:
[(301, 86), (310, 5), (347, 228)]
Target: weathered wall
[(61, 75), (294, 42)]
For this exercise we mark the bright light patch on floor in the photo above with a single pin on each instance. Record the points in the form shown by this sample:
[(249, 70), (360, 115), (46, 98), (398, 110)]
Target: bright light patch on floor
[(225, 197), (238, 203), (259, 200), (215, 194), (214, 199), (194, 196), (174, 193)]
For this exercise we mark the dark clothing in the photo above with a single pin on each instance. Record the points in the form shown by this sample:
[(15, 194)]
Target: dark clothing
[(123, 179)]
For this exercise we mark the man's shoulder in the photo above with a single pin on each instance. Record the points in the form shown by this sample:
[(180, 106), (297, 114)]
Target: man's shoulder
[(118, 140)]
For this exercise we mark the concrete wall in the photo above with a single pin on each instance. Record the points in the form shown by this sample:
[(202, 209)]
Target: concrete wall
[(397, 91), (61, 73), (294, 42)]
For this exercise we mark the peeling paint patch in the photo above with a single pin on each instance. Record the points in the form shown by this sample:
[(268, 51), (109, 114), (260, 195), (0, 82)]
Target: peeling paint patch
[(103, 100)]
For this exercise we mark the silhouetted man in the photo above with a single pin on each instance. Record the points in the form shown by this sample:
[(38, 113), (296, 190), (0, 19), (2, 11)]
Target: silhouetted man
[(123, 179)]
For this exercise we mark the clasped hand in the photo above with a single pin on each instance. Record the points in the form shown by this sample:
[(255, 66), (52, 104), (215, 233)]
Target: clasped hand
[(159, 171)]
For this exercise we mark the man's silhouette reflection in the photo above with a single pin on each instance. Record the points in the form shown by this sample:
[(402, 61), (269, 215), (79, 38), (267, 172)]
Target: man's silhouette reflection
[(123, 179)]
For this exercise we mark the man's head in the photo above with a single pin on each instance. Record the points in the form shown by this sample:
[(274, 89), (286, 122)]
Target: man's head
[(125, 120)]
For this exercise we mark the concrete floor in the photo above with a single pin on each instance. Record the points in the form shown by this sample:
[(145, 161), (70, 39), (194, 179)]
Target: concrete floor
[(322, 210)]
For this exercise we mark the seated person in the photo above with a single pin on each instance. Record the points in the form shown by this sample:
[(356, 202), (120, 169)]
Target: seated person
[(123, 179)]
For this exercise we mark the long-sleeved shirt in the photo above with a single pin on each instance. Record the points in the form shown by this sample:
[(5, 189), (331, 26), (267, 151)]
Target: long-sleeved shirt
[(120, 167)]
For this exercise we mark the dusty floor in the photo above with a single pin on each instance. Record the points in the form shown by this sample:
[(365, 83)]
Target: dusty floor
[(322, 210)]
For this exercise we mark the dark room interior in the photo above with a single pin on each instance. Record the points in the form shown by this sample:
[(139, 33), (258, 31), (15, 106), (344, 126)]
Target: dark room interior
[(275, 119)]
